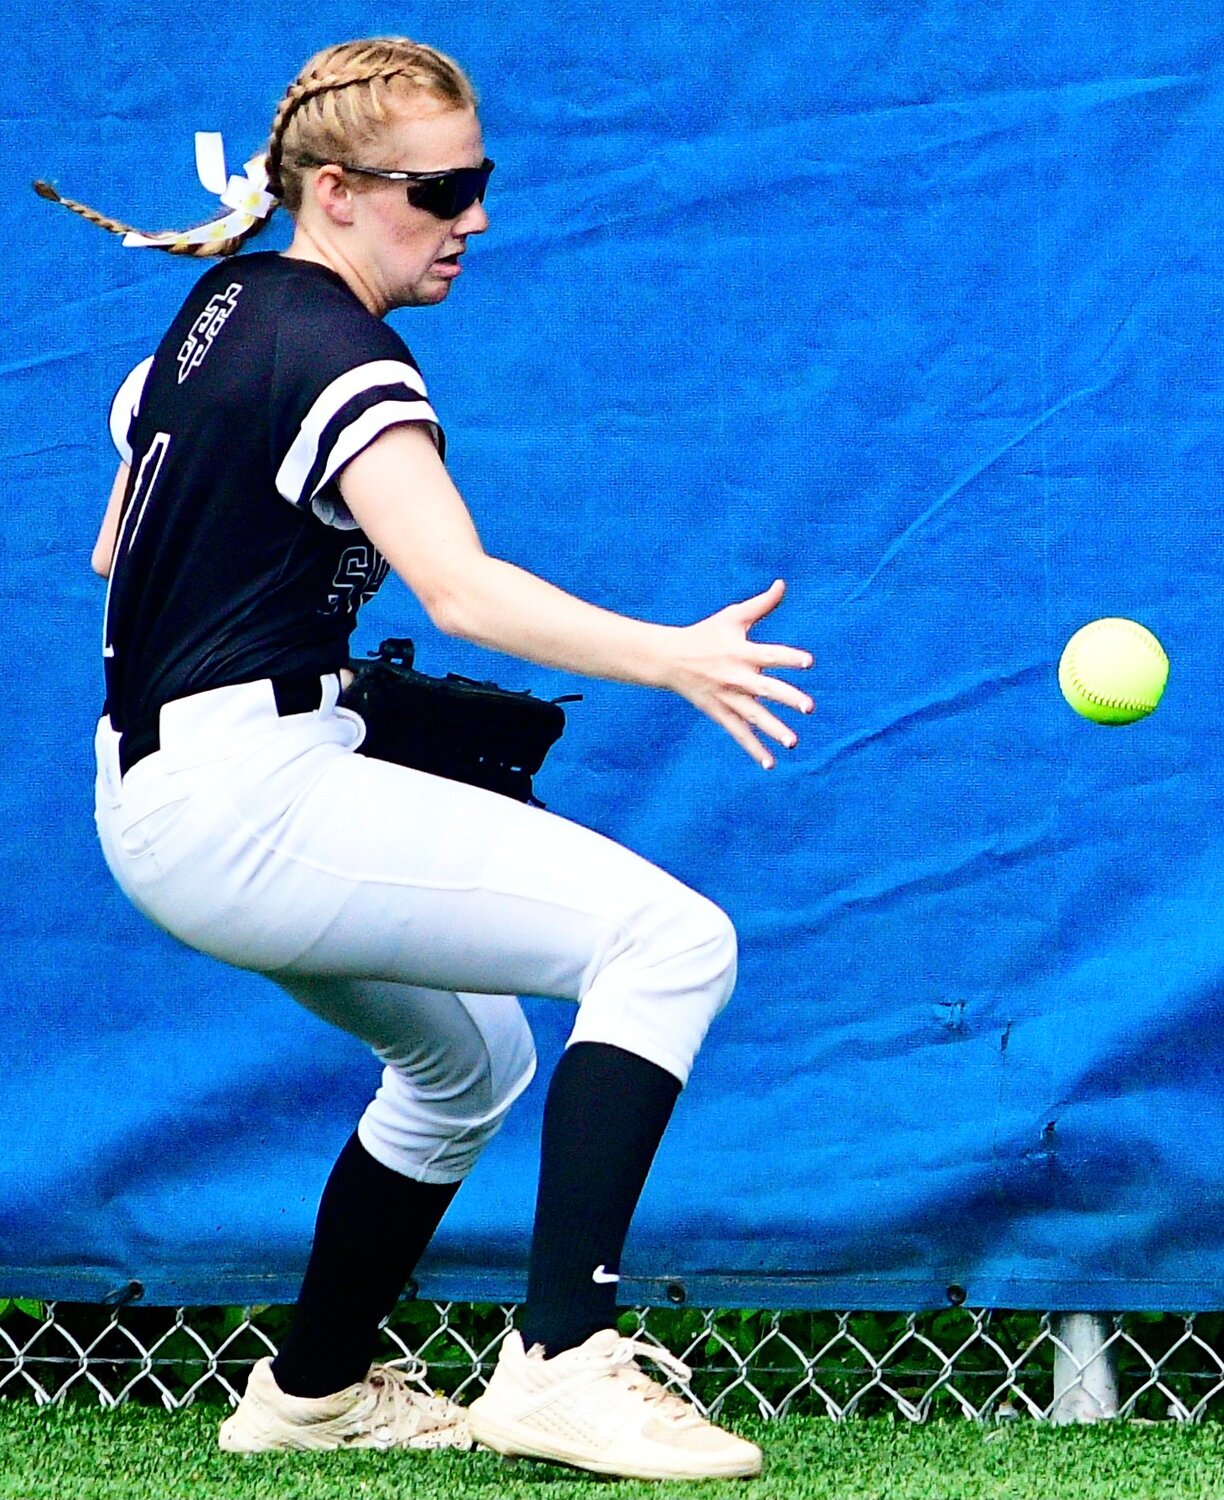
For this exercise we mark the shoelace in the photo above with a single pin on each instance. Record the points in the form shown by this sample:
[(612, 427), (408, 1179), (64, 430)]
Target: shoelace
[(623, 1357), (397, 1408)]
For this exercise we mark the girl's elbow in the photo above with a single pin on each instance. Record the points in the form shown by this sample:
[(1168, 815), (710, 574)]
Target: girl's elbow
[(448, 614), (454, 604)]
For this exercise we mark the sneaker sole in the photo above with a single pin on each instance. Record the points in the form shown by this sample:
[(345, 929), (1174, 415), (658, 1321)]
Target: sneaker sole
[(513, 1441), (241, 1442)]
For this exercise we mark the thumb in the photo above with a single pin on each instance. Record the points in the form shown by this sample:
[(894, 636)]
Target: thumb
[(756, 608)]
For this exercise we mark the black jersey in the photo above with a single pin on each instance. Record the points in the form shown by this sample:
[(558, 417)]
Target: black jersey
[(236, 557)]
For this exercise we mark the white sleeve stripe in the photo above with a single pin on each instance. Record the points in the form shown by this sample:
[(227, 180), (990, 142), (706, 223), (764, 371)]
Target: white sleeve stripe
[(303, 453), (373, 421), (125, 406)]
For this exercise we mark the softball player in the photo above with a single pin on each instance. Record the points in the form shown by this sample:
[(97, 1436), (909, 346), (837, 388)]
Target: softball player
[(279, 452)]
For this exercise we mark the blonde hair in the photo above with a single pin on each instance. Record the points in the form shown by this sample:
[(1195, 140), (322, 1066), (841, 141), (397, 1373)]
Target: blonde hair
[(336, 106)]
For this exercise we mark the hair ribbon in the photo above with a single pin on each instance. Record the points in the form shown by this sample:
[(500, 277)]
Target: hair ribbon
[(246, 197)]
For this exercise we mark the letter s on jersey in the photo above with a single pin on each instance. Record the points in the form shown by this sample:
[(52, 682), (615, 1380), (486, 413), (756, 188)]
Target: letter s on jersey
[(359, 575)]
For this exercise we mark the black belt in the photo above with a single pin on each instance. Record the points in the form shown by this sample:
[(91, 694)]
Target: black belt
[(295, 693)]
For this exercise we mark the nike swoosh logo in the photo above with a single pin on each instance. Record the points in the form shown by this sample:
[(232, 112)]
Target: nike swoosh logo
[(604, 1278)]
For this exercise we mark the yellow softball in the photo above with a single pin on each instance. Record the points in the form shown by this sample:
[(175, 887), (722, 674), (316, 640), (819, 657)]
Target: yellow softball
[(1113, 671)]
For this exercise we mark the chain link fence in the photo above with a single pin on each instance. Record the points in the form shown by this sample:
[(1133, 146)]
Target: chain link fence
[(987, 1365)]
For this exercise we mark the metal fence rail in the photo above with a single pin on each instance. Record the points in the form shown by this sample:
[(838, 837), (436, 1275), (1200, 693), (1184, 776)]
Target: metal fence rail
[(972, 1363)]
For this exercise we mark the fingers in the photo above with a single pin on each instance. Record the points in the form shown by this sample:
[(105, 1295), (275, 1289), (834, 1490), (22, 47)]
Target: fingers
[(779, 656), (739, 677), (777, 692), (739, 731), (760, 718), (771, 654), (739, 668), (740, 714)]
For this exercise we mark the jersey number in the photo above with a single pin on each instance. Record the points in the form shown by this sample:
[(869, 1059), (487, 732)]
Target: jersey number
[(133, 515)]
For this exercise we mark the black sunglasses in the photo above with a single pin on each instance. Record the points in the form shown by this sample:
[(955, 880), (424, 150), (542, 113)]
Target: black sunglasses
[(444, 194)]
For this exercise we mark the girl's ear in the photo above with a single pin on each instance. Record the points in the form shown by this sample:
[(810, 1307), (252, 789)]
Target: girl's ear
[(330, 190)]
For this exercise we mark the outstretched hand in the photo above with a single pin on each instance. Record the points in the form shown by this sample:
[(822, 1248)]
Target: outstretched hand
[(724, 674)]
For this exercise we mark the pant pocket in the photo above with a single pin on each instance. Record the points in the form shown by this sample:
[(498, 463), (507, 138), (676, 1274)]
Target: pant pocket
[(152, 828)]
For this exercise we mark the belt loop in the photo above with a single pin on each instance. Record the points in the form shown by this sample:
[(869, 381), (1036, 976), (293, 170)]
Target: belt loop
[(297, 694), (134, 745)]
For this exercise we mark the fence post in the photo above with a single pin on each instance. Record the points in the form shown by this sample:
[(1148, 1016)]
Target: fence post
[(1085, 1380)]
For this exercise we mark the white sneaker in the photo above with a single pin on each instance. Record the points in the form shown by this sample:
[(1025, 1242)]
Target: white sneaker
[(382, 1411), (594, 1408)]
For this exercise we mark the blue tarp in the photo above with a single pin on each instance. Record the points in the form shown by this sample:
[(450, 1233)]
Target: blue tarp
[(918, 307)]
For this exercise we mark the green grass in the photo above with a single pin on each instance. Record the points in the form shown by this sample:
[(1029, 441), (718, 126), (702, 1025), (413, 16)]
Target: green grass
[(141, 1453)]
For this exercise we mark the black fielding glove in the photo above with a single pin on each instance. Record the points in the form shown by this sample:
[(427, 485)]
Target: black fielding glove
[(452, 726)]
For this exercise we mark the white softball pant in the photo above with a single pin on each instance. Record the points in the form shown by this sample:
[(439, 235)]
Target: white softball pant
[(406, 909)]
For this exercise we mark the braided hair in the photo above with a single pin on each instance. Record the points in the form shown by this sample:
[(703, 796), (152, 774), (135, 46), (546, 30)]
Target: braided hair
[(337, 104)]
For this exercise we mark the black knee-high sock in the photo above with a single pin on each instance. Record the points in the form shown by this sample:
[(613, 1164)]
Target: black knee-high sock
[(604, 1117), (372, 1226)]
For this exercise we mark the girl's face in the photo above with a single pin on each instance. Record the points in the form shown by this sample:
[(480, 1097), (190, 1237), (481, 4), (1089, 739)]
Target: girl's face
[(404, 255)]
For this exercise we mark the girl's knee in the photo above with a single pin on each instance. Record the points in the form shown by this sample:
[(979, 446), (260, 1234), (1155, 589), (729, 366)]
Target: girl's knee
[(664, 984), (706, 950), (434, 1123)]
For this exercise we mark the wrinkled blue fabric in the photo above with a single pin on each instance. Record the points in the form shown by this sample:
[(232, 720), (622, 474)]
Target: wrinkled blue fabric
[(916, 307)]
